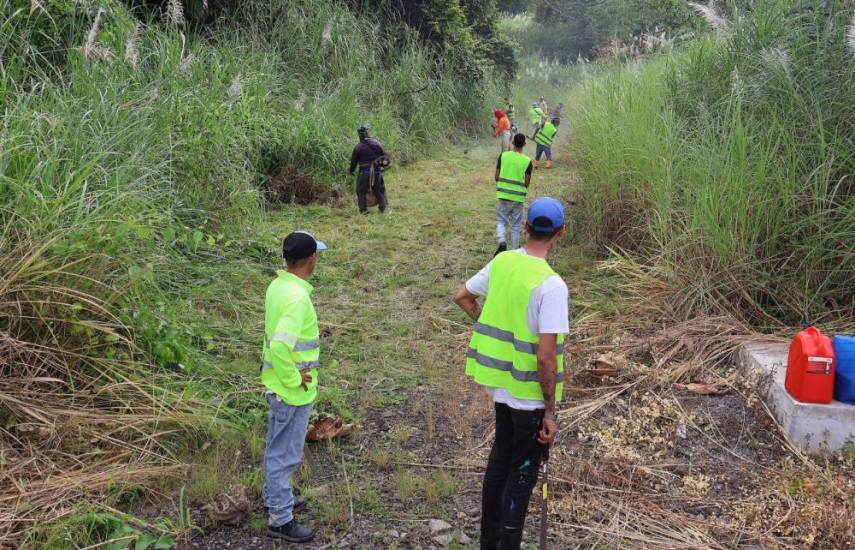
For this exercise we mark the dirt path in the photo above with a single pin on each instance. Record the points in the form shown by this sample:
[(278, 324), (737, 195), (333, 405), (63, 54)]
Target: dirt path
[(642, 460), (395, 351)]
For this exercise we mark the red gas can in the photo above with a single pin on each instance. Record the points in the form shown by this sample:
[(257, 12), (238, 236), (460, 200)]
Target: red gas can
[(810, 367)]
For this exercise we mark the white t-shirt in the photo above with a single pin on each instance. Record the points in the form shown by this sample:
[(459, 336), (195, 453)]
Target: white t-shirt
[(547, 313)]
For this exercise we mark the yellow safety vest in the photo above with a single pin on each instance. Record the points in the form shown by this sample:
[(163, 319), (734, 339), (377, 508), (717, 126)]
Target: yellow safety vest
[(511, 183), (546, 134), (503, 349), (291, 339)]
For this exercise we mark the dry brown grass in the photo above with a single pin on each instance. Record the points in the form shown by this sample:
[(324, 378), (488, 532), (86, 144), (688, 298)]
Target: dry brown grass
[(644, 462), (73, 423)]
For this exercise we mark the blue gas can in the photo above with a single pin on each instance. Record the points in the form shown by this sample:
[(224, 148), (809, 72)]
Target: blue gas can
[(844, 382)]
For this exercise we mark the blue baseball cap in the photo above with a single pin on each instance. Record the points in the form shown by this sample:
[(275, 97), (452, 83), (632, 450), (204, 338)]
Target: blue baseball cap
[(545, 215)]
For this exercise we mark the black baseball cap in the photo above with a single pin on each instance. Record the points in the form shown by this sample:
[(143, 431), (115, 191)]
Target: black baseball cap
[(299, 245)]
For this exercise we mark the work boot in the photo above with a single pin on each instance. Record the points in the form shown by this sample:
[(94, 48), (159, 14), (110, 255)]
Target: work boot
[(502, 248), (291, 531), (548, 164)]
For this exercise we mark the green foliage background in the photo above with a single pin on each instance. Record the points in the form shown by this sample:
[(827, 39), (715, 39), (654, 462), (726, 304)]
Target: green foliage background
[(726, 167)]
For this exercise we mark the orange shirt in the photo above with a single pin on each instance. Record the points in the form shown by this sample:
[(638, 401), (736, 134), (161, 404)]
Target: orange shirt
[(504, 125)]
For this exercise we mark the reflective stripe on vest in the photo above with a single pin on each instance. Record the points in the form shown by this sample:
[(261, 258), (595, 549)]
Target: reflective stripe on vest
[(503, 349), (507, 336), (511, 183), (293, 341), (298, 366), (546, 135), (507, 366)]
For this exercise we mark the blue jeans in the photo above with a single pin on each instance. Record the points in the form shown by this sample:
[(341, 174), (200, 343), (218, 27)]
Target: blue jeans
[(509, 213), (286, 436), (541, 149)]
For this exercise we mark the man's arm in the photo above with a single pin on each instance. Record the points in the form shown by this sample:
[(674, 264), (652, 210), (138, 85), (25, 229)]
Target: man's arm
[(547, 374), (468, 302), (498, 167), (352, 161), (528, 174)]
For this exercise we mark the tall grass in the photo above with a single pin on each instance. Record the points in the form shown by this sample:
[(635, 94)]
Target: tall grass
[(134, 161), (728, 167)]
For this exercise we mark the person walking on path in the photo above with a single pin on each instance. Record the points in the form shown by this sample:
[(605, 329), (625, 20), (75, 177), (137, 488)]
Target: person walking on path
[(556, 111), (516, 353), (510, 112), (543, 106), (544, 138), (513, 176), (289, 372), (536, 117), (503, 130), (369, 157)]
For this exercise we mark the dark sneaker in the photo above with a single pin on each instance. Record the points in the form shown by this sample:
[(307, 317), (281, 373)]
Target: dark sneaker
[(291, 531), (502, 248)]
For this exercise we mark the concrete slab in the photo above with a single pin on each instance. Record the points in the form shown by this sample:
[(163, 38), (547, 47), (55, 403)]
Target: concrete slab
[(818, 429)]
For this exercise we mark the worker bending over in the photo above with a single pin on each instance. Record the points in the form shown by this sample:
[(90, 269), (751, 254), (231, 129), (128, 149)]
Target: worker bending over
[(289, 372), (544, 138), (513, 176), (516, 353), (536, 117)]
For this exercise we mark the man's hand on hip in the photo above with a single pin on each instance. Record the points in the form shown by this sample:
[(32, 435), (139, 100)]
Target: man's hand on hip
[(548, 431), (307, 379)]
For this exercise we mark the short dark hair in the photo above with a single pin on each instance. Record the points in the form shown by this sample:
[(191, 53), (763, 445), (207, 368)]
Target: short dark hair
[(535, 236), (294, 263), (519, 140), (556, 121)]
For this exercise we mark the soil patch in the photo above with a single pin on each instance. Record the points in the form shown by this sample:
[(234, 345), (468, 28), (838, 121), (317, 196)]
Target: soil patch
[(290, 186)]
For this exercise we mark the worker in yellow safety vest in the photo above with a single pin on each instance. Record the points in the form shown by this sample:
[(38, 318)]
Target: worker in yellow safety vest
[(536, 116), (513, 176), (289, 372), (516, 353), (544, 138)]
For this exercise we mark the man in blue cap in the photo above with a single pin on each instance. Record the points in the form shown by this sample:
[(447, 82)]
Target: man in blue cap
[(289, 372), (516, 353)]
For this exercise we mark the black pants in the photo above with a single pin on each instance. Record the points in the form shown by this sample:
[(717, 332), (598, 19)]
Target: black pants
[(511, 475), (379, 188)]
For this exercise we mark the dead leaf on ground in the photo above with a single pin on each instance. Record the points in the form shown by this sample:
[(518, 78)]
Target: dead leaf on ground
[(328, 428), (232, 507), (706, 388), (608, 364)]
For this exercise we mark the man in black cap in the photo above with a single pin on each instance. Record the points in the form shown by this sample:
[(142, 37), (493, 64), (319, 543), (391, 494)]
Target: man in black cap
[(369, 156), (289, 372)]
